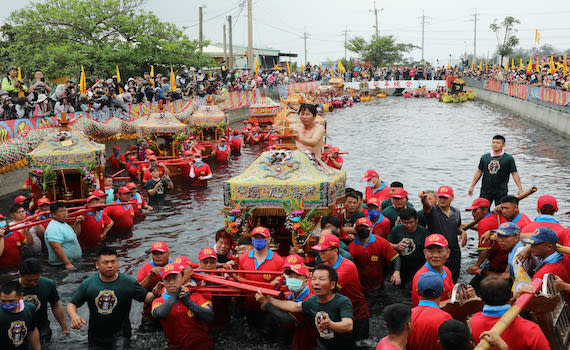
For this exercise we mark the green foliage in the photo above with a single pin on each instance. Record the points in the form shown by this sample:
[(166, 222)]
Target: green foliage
[(380, 52), (43, 178), (58, 36), (509, 41)]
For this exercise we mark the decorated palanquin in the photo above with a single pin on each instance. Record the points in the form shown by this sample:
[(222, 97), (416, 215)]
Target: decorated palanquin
[(264, 110), (65, 166), (209, 124), (279, 176)]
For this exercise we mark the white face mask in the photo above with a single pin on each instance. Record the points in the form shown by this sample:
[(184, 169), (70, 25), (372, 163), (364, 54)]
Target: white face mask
[(370, 183)]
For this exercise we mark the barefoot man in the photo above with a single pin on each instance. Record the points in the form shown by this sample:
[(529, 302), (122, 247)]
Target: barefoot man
[(309, 135)]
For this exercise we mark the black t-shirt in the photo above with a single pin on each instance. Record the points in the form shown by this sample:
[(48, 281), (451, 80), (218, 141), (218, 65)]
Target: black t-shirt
[(496, 173), (161, 191), (15, 327), (352, 220), (413, 256), (40, 295), (440, 223)]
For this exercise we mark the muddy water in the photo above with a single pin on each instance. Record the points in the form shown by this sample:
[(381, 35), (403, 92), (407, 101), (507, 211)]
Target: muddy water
[(420, 142)]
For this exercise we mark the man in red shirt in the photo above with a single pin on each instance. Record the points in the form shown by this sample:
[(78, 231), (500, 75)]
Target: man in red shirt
[(521, 333), (437, 252), (222, 151), (94, 225), (235, 143), (398, 321), (122, 215), (132, 168), (333, 159), (375, 186), (380, 223), (149, 276), (10, 243), (117, 159), (184, 316), (489, 251), (200, 172), (509, 209), (152, 163), (546, 207), (372, 254), (43, 207), (427, 316), (348, 283), (141, 203)]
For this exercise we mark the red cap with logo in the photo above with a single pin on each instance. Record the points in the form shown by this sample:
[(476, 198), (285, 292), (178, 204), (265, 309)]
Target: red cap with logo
[(368, 174), (116, 147), (123, 190), (169, 269), (131, 185), (374, 201), (260, 230), (399, 193), (99, 193), (183, 261), (326, 242), (547, 202), (148, 151), (292, 260), (335, 149), (159, 247), (436, 239), (207, 253), (20, 199), (90, 198), (445, 191), (479, 203), (152, 158), (363, 222), (43, 201), (300, 269)]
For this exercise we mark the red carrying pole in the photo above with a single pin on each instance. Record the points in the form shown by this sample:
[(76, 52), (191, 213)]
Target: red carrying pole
[(253, 272), (117, 173), (238, 285)]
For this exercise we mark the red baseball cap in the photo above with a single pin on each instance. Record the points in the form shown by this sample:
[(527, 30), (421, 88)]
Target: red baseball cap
[(43, 201), (124, 189), (300, 269), (399, 193), (326, 242), (207, 253), (436, 239), (169, 269), (293, 259), (132, 158), (159, 246), (222, 139), (544, 202), (116, 147), (152, 158), (90, 198), (368, 174), (445, 191), (260, 230), (183, 261), (374, 201), (327, 146), (479, 203), (363, 222), (335, 149), (235, 132), (99, 193), (20, 199), (148, 151), (131, 185)]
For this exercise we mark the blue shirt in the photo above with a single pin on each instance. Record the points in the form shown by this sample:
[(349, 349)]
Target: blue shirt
[(61, 232), (110, 196)]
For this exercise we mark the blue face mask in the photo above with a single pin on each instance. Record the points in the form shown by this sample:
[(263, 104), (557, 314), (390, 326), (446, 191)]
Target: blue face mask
[(373, 213), (259, 243), (9, 307), (294, 284)]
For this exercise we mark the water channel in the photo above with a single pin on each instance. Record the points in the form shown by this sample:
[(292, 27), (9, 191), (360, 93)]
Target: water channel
[(419, 142)]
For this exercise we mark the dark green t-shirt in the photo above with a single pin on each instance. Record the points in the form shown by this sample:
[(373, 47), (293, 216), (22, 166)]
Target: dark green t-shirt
[(109, 304), (40, 295), (160, 192), (15, 328), (392, 214), (388, 203), (413, 256), (496, 173), (422, 220), (338, 308)]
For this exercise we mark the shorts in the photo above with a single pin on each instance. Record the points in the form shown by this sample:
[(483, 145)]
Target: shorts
[(491, 196), (361, 329), (45, 335)]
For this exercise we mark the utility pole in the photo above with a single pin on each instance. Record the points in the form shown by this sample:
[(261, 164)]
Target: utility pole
[(305, 34), (250, 55), (375, 11), (423, 30), (231, 62), (475, 35), (345, 39), (225, 48), (200, 29)]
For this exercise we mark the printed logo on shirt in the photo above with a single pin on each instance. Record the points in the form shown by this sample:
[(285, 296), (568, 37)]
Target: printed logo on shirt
[(327, 333), (106, 302), (190, 314), (409, 246), (267, 277), (494, 166), (33, 299), (17, 332), (374, 258)]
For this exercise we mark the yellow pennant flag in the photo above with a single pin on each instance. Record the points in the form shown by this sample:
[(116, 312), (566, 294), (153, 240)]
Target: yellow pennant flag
[(172, 80), (480, 66), (552, 69), (537, 65), (521, 64), (288, 69), (486, 67), (82, 82), (447, 69), (302, 69), (565, 64), (513, 64), (256, 66), (340, 67), (118, 74), (472, 65), (537, 37), (507, 66), (529, 66), (20, 90), (152, 75), (276, 67)]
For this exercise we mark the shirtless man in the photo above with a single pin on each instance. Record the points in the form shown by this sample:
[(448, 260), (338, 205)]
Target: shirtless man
[(309, 135)]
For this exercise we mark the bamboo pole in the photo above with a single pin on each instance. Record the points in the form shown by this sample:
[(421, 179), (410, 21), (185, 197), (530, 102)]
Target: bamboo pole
[(237, 285)]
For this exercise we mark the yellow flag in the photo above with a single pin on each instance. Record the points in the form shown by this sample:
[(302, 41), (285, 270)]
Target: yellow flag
[(172, 80), (276, 67), (340, 67), (302, 69), (447, 69), (565, 64), (82, 82), (480, 66), (288, 69), (521, 64), (20, 90), (256, 66), (507, 66), (552, 69), (472, 65), (152, 75), (529, 66), (538, 67), (118, 75), (537, 37), (513, 64), (486, 67)]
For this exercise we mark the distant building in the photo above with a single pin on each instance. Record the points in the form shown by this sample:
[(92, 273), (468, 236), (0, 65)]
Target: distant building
[(265, 57)]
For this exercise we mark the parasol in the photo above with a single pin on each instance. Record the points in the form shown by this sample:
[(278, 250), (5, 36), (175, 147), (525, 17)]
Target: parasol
[(209, 115), (162, 122)]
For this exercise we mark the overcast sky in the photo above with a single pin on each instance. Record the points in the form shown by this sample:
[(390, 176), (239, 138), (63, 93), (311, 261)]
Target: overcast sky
[(449, 28)]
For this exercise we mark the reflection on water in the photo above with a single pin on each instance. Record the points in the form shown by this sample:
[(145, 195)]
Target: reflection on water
[(420, 142)]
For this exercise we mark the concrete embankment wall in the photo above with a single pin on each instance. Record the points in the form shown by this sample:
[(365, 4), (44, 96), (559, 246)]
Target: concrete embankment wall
[(11, 183), (552, 119)]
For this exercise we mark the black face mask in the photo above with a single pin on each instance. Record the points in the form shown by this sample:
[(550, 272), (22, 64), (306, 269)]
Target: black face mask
[(363, 233)]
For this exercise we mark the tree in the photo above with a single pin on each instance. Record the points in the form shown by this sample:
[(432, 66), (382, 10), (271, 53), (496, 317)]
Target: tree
[(381, 52), (58, 36), (509, 41)]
